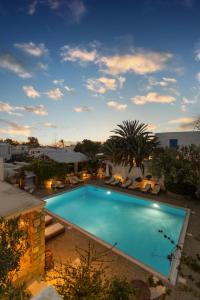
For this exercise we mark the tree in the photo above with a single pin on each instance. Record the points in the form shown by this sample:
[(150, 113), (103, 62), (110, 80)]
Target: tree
[(87, 280), (33, 142), (179, 167), (133, 143), (89, 148), (12, 247), (11, 142), (197, 124), (61, 143)]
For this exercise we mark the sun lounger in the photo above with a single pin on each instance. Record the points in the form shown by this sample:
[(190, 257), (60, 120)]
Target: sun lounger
[(115, 182), (156, 189), (146, 189), (73, 181), (77, 179), (53, 230), (135, 185), (48, 220), (112, 179), (127, 183)]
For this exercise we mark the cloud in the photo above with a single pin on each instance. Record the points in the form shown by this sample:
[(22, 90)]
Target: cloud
[(30, 91), (197, 54), (7, 108), (140, 63), (49, 125), (14, 128), (54, 4), (37, 110), (80, 55), (80, 109), (117, 105), (185, 102), (55, 94), (77, 9), (43, 66), (70, 90), (198, 77), (32, 7), (152, 97), (164, 82), (11, 63), (184, 123), (101, 85), (58, 81), (151, 127), (182, 120), (121, 81), (33, 49)]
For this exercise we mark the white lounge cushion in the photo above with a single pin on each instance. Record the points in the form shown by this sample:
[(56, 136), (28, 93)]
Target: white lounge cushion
[(53, 230)]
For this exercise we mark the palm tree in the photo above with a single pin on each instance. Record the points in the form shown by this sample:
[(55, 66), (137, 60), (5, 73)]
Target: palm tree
[(133, 143)]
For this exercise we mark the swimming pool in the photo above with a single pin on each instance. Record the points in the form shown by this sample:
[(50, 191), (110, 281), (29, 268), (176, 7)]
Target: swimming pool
[(131, 222)]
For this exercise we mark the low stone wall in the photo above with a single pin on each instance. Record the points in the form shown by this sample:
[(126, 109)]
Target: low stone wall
[(33, 262)]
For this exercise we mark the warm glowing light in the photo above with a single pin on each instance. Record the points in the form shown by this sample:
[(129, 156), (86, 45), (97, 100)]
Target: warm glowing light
[(48, 183), (156, 205)]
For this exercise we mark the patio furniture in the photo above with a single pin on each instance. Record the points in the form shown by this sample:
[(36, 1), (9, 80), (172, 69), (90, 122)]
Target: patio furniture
[(78, 179), (112, 179), (146, 188), (48, 220), (127, 183), (135, 185), (53, 230), (156, 189), (73, 181), (115, 182)]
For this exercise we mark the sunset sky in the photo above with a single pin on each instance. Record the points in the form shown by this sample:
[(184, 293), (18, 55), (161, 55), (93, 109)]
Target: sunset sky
[(74, 69)]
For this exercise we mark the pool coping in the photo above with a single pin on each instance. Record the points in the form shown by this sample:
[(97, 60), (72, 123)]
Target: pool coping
[(172, 278)]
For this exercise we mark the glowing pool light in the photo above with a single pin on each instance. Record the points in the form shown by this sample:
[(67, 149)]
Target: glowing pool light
[(156, 205), (108, 192)]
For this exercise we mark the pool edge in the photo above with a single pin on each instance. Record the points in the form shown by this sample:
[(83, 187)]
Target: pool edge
[(172, 278)]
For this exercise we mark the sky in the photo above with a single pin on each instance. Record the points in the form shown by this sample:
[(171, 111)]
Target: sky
[(74, 69)]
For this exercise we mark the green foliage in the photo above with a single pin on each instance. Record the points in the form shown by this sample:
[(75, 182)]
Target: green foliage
[(47, 169), (120, 289), (87, 280), (33, 142), (131, 144), (89, 148), (12, 247), (180, 168)]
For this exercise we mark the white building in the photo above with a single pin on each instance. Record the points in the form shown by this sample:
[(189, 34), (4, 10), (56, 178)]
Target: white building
[(20, 149), (174, 139), (5, 151), (60, 155)]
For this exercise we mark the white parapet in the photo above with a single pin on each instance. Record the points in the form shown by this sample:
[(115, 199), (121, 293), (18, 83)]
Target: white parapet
[(1, 169)]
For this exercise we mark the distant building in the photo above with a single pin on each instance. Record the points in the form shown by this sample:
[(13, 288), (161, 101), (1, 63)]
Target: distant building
[(19, 149), (175, 139), (5, 151)]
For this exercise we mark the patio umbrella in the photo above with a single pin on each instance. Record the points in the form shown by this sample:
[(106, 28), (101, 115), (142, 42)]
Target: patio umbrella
[(107, 171)]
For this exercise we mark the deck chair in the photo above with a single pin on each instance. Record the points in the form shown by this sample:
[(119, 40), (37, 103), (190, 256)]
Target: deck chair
[(127, 183), (112, 179), (156, 189), (146, 188)]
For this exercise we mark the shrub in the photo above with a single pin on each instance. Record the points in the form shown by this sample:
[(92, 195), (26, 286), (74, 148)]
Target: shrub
[(181, 188)]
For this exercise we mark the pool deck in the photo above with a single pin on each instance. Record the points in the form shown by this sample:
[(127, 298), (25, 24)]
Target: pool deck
[(64, 245)]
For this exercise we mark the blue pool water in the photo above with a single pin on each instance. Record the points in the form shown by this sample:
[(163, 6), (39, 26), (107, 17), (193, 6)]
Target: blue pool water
[(131, 222)]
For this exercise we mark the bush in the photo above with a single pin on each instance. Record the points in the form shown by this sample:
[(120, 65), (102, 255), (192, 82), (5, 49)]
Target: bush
[(181, 188)]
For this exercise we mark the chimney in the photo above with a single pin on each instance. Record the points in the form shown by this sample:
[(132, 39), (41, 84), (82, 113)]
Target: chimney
[(1, 169)]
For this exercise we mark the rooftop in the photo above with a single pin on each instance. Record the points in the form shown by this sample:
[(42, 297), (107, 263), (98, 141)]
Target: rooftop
[(14, 201)]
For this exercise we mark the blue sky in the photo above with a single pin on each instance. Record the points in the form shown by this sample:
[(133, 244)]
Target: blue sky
[(74, 69)]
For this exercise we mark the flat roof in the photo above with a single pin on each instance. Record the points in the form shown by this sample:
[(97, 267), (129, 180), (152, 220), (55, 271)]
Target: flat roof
[(14, 201)]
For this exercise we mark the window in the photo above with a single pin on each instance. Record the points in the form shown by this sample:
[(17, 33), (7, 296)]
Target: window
[(173, 143)]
